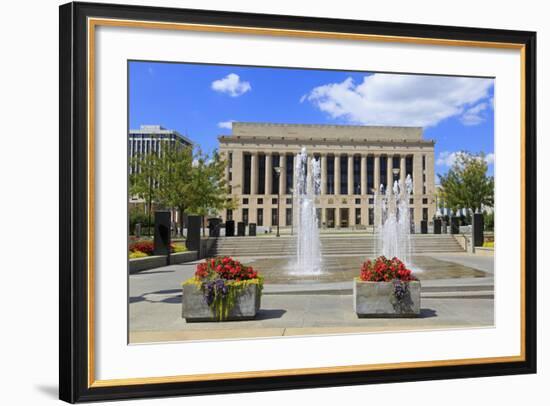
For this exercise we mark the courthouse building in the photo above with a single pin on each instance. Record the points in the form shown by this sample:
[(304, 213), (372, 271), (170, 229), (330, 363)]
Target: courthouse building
[(355, 161)]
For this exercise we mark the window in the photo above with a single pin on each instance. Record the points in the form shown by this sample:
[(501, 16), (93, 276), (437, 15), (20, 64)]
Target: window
[(261, 174), (229, 215), (357, 201), (245, 200), (247, 167), (288, 215), (423, 189), (423, 162), (357, 216), (260, 217), (245, 216), (424, 201), (371, 200), (344, 174), (383, 171), (274, 221), (370, 175), (357, 175), (275, 163), (330, 175), (230, 176), (289, 201), (230, 163), (273, 201), (409, 166), (411, 201), (260, 200), (371, 216), (425, 213), (289, 173)]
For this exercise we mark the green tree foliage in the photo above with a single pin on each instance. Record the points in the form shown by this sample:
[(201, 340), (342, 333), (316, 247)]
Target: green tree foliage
[(177, 179), (209, 186), (466, 184), (164, 179)]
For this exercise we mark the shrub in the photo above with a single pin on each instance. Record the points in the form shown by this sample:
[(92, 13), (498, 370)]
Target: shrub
[(177, 247), (145, 246), (385, 270), (137, 254)]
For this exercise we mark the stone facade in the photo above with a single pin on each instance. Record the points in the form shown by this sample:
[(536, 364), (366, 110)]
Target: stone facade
[(354, 159)]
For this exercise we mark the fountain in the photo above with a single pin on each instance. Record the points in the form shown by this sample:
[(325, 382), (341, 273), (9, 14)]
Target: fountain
[(307, 183), (393, 237)]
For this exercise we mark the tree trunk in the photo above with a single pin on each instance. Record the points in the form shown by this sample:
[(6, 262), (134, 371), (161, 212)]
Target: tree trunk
[(180, 209)]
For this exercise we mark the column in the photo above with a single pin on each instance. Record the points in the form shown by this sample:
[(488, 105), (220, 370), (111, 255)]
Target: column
[(417, 174), (350, 175), (377, 173), (402, 170), (417, 189), (337, 217), (253, 174), (389, 170), (336, 174), (323, 174), (363, 179), (282, 175), (268, 173), (237, 182)]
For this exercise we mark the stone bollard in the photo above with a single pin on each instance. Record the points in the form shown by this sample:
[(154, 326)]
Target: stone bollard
[(437, 226), (241, 229), (162, 236), (229, 228), (477, 230), (252, 229)]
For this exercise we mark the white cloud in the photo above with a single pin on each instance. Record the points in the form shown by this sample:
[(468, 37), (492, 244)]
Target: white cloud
[(448, 159), (232, 85), (390, 99), (474, 115), (226, 124)]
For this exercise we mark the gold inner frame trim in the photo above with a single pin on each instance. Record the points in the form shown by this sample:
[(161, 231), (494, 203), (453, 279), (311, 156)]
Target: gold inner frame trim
[(94, 22)]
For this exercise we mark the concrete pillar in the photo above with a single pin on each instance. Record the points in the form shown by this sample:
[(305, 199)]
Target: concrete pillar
[(323, 216), (238, 174), (253, 173), (324, 174), (417, 174), (402, 170), (268, 173), (377, 173), (350, 175), (337, 217), (336, 174), (363, 179), (282, 176)]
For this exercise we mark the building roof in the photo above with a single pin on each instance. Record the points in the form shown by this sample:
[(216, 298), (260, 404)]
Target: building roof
[(160, 130), (356, 133)]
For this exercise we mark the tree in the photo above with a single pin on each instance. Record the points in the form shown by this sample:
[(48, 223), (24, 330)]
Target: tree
[(466, 184), (165, 179), (142, 181), (209, 189)]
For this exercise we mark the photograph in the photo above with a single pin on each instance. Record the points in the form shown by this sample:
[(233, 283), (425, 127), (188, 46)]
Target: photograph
[(289, 201)]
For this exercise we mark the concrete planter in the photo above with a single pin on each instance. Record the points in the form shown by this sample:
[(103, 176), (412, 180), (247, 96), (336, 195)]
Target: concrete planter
[(377, 299), (195, 308)]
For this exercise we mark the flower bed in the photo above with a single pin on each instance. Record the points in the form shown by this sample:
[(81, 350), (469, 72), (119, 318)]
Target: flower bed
[(222, 289), (386, 288), (140, 248)]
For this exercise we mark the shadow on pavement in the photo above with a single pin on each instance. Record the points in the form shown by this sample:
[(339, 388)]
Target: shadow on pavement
[(427, 313), (266, 314)]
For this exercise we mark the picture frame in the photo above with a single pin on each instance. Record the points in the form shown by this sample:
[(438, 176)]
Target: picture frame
[(77, 284)]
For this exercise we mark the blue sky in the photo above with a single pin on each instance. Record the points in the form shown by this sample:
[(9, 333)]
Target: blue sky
[(200, 101)]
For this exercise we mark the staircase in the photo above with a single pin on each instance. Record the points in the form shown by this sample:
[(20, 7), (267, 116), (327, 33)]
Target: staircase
[(330, 245)]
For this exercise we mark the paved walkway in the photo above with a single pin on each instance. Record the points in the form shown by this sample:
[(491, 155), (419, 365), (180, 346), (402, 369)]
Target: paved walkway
[(155, 308)]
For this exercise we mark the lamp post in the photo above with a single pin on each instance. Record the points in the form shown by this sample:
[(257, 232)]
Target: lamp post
[(277, 170)]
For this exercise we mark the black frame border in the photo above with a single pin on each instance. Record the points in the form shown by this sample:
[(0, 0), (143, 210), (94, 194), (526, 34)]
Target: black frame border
[(73, 195)]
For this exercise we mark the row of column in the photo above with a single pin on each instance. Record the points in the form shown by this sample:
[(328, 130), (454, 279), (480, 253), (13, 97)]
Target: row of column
[(337, 172)]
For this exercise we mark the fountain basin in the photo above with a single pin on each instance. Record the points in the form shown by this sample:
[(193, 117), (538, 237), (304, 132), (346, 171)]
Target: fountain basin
[(378, 299)]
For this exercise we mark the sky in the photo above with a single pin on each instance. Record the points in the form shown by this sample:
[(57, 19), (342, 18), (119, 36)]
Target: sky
[(201, 101)]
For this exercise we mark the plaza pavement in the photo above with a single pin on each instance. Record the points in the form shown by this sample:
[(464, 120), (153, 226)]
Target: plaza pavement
[(289, 310)]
